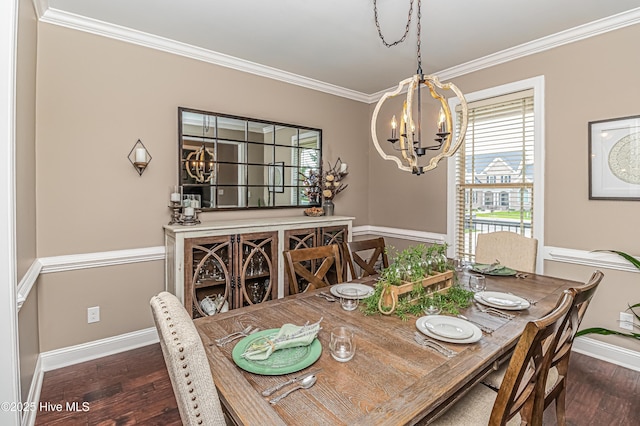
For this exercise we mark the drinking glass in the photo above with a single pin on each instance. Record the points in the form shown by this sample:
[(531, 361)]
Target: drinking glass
[(342, 344), (349, 298), (477, 283)]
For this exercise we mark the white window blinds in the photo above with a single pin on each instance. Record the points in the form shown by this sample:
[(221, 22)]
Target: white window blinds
[(494, 170)]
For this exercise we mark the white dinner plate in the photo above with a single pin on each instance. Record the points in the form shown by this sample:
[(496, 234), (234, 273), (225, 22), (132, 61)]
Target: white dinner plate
[(426, 326), (443, 326), (501, 300), (364, 291)]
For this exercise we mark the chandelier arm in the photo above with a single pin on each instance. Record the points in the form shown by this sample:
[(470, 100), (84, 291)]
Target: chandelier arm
[(374, 120), (450, 150), (415, 85), (188, 166)]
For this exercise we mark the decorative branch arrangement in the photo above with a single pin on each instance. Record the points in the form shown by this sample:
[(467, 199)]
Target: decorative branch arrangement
[(331, 179)]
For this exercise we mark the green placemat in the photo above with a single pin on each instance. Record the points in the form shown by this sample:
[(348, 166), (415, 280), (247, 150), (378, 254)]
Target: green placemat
[(500, 270), (282, 361)]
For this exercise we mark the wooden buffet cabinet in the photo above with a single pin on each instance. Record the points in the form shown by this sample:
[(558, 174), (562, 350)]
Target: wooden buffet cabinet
[(241, 260)]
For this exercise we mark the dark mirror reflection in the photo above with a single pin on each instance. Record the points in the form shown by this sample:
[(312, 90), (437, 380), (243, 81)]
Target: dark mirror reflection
[(231, 162)]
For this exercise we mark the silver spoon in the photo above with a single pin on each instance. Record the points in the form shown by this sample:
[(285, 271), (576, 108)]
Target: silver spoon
[(306, 383)]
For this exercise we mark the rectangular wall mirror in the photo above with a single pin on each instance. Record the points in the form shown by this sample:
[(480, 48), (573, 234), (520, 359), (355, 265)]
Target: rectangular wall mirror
[(236, 162)]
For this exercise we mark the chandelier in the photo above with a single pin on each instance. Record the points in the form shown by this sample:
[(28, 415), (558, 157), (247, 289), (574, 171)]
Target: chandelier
[(200, 163), (406, 135)]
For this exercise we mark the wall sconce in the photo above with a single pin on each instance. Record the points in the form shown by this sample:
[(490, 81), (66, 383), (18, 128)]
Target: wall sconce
[(139, 157)]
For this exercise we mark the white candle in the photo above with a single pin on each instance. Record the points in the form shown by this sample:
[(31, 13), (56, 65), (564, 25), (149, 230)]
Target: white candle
[(141, 155), (195, 203), (175, 196), (189, 211)]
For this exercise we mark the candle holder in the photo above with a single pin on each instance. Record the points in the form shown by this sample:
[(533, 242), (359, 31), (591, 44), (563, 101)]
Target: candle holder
[(190, 220), (175, 213), (139, 157)]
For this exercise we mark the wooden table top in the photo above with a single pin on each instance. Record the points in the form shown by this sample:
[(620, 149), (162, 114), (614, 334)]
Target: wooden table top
[(390, 381)]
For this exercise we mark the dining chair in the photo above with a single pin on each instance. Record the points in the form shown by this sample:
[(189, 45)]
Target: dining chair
[(369, 264), (510, 249), (581, 298), (520, 399), (555, 389), (311, 268), (187, 364)]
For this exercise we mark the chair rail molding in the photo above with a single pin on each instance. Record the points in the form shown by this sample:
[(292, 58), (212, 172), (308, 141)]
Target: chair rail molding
[(594, 259), (404, 234)]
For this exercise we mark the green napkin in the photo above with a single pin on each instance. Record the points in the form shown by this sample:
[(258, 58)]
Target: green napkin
[(289, 336)]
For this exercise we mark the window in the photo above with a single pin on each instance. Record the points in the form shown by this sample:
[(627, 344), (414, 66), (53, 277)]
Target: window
[(497, 173)]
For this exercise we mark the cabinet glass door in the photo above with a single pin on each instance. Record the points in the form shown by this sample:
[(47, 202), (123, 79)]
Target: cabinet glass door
[(257, 265), (208, 275)]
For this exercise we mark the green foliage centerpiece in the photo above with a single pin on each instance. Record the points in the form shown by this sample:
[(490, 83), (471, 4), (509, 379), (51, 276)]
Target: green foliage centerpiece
[(417, 277)]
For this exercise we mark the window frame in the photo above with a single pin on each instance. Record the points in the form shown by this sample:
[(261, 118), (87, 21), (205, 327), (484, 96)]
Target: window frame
[(537, 85)]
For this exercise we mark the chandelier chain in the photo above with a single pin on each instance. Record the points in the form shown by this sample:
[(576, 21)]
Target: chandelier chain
[(419, 53), (406, 29)]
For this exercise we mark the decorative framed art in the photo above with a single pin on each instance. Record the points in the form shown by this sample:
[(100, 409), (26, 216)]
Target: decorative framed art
[(614, 159)]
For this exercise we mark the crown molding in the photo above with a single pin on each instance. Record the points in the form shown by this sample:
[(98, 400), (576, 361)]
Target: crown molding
[(93, 26), (117, 32), (41, 7), (601, 26)]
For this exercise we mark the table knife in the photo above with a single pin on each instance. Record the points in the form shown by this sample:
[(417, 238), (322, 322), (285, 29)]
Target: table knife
[(279, 386)]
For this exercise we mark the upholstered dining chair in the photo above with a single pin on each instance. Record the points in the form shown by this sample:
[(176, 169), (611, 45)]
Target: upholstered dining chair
[(361, 265), (512, 250), (556, 381), (520, 399), (195, 391), (309, 268)]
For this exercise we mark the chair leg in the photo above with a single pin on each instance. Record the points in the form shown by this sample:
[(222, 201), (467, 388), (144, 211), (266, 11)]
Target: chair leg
[(560, 405)]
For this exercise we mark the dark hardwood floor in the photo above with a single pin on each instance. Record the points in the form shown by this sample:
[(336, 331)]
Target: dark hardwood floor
[(133, 387)]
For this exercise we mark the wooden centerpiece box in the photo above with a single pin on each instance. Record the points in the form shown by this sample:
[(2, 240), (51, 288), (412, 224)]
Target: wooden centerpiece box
[(439, 282)]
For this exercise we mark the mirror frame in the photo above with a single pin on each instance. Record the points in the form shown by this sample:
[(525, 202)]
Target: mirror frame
[(277, 193)]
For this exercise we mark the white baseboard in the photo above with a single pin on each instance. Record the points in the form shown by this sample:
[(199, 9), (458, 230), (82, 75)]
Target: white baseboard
[(33, 399), (87, 351), (607, 352)]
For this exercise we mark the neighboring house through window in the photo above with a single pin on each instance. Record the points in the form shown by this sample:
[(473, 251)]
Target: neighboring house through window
[(496, 177)]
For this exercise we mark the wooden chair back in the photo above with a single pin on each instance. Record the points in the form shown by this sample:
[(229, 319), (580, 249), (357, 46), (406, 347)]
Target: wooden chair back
[(187, 364), (310, 266), (522, 389), (511, 249), (366, 265), (564, 342)]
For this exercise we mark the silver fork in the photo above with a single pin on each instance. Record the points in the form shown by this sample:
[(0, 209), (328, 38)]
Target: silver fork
[(432, 344), (231, 339), (239, 335), (327, 297), (495, 312), (222, 339), (482, 327)]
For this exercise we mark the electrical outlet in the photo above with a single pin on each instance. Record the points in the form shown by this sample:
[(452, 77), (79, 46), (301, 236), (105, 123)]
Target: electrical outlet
[(626, 321), (93, 314)]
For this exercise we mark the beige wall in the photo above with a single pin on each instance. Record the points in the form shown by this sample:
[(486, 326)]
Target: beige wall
[(122, 292), (593, 79), (25, 186), (96, 97)]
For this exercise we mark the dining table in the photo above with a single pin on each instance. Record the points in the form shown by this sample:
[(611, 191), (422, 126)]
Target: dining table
[(391, 380)]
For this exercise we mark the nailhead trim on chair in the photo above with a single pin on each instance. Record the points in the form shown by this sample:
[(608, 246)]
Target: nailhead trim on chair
[(179, 353)]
